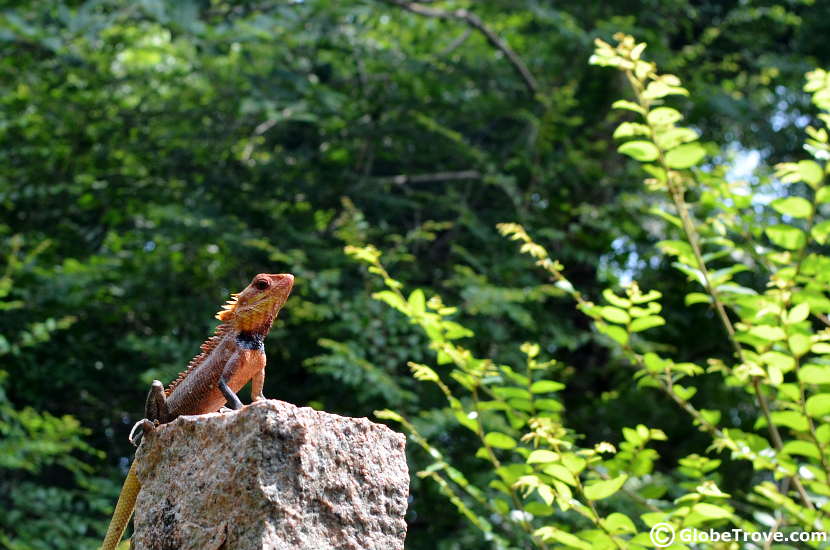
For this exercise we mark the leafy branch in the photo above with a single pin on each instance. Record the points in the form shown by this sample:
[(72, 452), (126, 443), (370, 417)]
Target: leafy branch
[(475, 22)]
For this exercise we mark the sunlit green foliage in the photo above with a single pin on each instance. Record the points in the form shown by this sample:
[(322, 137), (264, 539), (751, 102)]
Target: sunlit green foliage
[(547, 488), (167, 150)]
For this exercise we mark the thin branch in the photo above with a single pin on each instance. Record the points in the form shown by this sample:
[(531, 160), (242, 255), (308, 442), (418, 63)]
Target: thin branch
[(455, 43), (475, 22), (260, 129), (265, 126), (402, 179)]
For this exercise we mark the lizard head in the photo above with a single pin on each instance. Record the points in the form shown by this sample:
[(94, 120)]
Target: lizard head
[(256, 307)]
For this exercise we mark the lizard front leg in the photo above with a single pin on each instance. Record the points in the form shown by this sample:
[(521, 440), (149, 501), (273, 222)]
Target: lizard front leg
[(245, 364), (231, 367), (257, 382)]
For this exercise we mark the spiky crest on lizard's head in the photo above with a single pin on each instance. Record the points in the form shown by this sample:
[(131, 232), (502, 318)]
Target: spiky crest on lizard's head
[(252, 310)]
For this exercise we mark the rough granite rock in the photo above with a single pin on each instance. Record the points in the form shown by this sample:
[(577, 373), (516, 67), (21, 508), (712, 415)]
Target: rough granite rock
[(271, 476)]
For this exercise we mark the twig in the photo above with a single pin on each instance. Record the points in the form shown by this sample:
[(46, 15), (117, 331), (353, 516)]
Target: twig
[(455, 43), (475, 22), (260, 129), (402, 179), (265, 126)]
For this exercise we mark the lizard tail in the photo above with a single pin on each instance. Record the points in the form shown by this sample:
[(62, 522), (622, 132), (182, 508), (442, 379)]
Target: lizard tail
[(123, 510)]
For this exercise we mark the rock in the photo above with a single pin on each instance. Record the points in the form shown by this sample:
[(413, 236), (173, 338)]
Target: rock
[(271, 476)]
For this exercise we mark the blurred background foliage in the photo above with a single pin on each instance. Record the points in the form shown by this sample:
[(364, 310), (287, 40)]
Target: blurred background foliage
[(156, 155)]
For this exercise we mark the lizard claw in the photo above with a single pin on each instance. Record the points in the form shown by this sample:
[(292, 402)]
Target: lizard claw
[(136, 434)]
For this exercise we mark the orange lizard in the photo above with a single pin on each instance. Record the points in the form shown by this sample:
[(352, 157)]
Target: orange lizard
[(234, 355)]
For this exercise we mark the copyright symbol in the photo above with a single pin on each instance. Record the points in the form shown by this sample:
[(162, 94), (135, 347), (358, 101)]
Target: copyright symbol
[(661, 534)]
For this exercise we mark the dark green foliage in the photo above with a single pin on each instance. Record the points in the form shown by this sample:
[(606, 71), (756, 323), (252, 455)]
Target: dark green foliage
[(156, 155)]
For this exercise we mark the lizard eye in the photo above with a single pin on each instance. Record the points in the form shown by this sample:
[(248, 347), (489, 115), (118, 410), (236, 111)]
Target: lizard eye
[(261, 284)]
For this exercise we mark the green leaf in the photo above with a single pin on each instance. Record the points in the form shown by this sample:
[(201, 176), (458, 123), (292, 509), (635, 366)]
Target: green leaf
[(810, 172), (798, 313), (681, 249), (645, 323), (649, 296), (519, 379), (499, 440), (521, 405), (657, 89), (818, 405), (629, 105), (615, 315), (507, 392), (544, 386), (776, 377), (790, 419), (417, 302), (631, 129), (560, 472), (697, 298), (669, 138), (464, 419), (550, 534), (768, 332), (511, 472), (615, 300), (454, 331), (599, 490), (653, 362), (823, 195), (573, 462), (548, 405), (782, 361), (643, 151), (391, 299), (786, 236), (711, 416), (795, 207), (803, 448), (799, 344), (821, 231), (616, 333), (502, 506), (710, 511), (684, 393), (650, 518), (814, 374), (662, 116), (539, 509), (685, 156), (542, 456), (618, 523)]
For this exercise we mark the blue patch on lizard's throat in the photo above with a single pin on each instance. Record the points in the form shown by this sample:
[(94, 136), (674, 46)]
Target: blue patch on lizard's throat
[(251, 340)]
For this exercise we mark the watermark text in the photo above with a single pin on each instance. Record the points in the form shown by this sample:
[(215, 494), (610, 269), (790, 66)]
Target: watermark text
[(665, 534)]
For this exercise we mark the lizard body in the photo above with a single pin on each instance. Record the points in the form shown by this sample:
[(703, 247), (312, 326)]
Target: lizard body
[(234, 355)]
